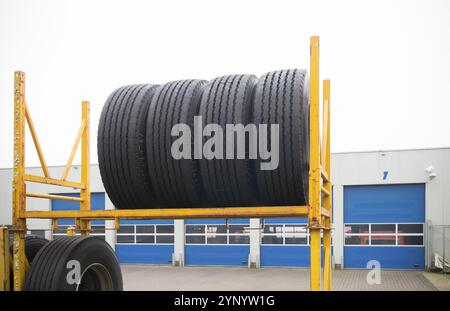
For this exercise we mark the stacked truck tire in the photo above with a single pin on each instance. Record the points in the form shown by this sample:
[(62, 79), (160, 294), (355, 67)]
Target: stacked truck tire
[(135, 141)]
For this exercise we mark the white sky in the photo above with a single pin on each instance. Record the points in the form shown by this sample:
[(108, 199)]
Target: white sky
[(388, 61)]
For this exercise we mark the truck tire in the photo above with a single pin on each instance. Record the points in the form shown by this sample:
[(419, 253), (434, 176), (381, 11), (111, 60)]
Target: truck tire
[(121, 147), (281, 98), (228, 100), (75, 263), (176, 180)]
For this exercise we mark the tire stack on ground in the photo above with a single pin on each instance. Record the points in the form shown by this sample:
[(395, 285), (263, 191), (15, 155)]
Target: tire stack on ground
[(75, 263), (135, 138)]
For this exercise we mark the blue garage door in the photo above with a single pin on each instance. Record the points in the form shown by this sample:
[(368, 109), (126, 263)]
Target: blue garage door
[(213, 243), (384, 223), (97, 203), (285, 242), (145, 241)]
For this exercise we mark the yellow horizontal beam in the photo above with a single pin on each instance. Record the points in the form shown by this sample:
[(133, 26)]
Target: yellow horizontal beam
[(53, 197), (177, 213), (55, 182)]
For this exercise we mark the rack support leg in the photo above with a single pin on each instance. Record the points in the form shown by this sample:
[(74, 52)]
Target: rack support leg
[(315, 260), (4, 259), (19, 193), (85, 194), (327, 259)]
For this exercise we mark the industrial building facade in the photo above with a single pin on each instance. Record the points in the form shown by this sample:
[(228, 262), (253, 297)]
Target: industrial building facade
[(383, 203)]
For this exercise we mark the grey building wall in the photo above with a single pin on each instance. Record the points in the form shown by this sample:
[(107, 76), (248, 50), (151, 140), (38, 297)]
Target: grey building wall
[(403, 167), (355, 168)]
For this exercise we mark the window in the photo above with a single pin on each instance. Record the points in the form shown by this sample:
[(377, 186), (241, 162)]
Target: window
[(357, 240), (145, 229), (217, 234), (97, 231), (376, 228), (145, 234), (40, 233), (395, 234), (410, 228), (195, 239), (382, 240), (356, 229), (285, 234)]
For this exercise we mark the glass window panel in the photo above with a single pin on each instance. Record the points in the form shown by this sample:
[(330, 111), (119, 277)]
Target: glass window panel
[(98, 229), (295, 229), (40, 233), (145, 229), (164, 229), (383, 228), (237, 228), (410, 240), (218, 239), (357, 240), (239, 239), (273, 228), (216, 229), (125, 239), (410, 228), (382, 240), (60, 230), (272, 239), (164, 239), (145, 239), (195, 239), (355, 229), (295, 236), (126, 229), (195, 229), (301, 241)]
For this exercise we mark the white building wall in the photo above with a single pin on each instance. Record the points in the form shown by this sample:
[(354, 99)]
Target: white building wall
[(403, 167)]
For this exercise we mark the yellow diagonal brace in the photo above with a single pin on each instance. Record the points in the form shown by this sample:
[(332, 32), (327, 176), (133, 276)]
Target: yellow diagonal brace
[(74, 150), (37, 145)]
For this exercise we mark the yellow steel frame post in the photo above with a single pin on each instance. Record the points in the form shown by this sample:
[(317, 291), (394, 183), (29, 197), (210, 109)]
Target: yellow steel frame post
[(315, 217), (326, 200), (4, 259), (19, 193), (85, 193)]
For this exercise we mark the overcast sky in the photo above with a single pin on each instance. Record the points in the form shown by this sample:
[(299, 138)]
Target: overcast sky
[(388, 61)]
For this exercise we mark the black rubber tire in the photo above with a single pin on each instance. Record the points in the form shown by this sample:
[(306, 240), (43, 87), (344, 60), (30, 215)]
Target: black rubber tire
[(121, 147), (228, 100), (98, 264), (176, 181), (281, 97)]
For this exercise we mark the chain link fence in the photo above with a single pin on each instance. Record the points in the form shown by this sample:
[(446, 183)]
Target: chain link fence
[(438, 250)]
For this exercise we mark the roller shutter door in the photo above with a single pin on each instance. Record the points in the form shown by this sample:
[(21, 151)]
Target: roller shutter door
[(285, 243), (145, 242), (213, 243), (384, 223)]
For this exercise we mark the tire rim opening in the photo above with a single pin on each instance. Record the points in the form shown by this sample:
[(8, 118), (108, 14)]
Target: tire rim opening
[(94, 278)]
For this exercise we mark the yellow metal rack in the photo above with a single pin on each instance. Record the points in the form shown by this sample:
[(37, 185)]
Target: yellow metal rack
[(318, 211)]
